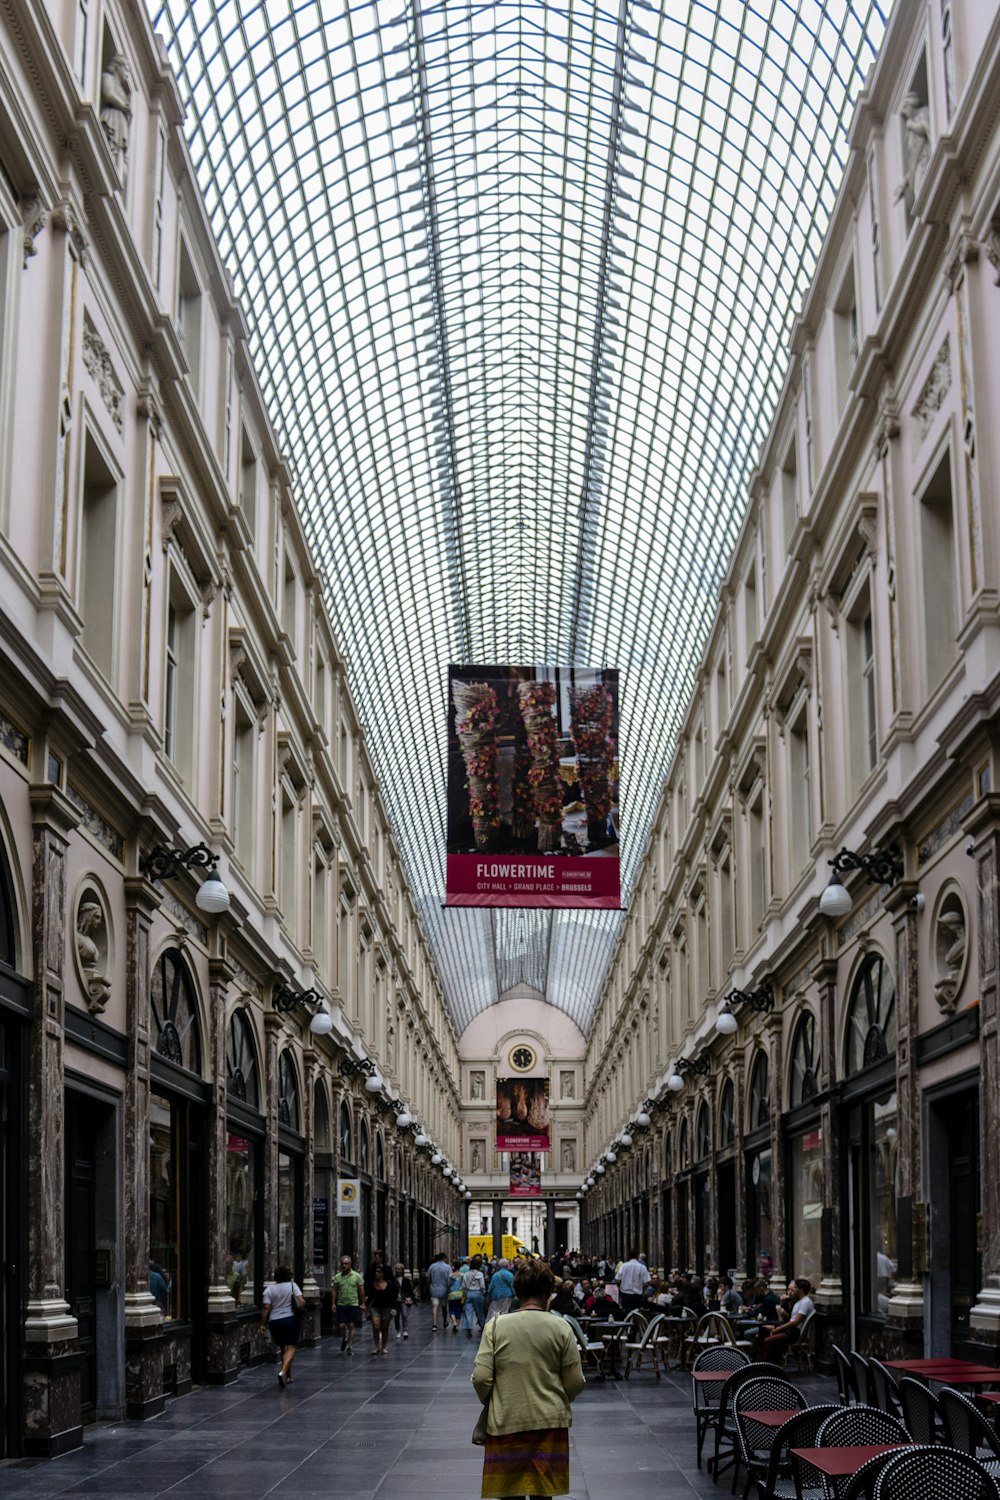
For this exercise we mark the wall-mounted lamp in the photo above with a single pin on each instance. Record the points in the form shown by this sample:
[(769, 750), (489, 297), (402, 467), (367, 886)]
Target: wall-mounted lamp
[(883, 867), (403, 1120), (643, 1119), (436, 1159), (420, 1140), (626, 1140), (285, 999), (600, 1169), (761, 1000), (166, 864), (702, 1066), (611, 1156)]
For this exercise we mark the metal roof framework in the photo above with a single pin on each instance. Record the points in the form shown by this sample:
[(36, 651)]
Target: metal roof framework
[(520, 280)]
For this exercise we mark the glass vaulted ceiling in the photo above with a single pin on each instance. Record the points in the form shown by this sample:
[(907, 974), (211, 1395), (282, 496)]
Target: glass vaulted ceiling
[(519, 279)]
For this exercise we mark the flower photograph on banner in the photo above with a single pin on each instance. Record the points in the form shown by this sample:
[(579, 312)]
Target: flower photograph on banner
[(525, 1175), (523, 1114), (532, 786)]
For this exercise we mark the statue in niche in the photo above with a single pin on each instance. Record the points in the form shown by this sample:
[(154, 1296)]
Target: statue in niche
[(477, 1156), (116, 109), (477, 1084), (568, 1157), (92, 952), (916, 146), (950, 947), (567, 1085)]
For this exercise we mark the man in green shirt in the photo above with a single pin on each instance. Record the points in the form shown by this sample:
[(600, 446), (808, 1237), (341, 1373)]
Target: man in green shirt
[(349, 1302)]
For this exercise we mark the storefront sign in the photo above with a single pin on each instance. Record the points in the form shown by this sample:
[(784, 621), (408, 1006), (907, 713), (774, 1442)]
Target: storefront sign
[(348, 1198), (532, 787), (525, 1175), (321, 1231)]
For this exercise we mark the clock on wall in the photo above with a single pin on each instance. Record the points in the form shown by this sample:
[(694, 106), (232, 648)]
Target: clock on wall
[(522, 1058)]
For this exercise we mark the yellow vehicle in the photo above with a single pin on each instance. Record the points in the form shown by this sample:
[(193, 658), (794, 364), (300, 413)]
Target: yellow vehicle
[(482, 1244)]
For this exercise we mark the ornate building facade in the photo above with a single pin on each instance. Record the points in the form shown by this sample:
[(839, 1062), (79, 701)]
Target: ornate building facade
[(838, 1123), (174, 1121)]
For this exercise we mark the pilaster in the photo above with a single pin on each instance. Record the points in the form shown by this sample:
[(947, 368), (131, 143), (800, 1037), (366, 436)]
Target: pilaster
[(222, 1338), (904, 1332), (983, 825)]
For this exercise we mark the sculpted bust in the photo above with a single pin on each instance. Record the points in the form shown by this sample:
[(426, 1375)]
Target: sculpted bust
[(92, 953)]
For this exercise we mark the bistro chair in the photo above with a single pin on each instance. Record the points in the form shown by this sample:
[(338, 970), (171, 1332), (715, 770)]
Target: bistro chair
[(644, 1348), (855, 1426), (713, 1328), (861, 1486), (934, 1474), (591, 1350), (705, 1397), (846, 1383), (804, 1349), (798, 1432), (862, 1379), (884, 1388), (966, 1428), (754, 1440), (725, 1426), (921, 1411)]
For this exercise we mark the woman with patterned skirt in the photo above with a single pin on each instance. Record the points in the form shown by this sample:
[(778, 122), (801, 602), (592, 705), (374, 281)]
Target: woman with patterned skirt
[(528, 1372)]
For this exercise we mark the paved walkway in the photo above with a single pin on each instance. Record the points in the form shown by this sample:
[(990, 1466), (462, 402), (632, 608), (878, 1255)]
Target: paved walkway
[(393, 1428)]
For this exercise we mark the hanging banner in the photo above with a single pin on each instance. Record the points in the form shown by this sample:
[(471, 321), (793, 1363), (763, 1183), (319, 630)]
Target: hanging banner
[(348, 1198), (525, 1175), (523, 1114), (532, 787)]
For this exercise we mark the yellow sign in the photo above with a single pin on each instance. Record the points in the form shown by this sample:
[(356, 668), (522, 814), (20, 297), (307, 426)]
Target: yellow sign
[(482, 1244), (348, 1198)]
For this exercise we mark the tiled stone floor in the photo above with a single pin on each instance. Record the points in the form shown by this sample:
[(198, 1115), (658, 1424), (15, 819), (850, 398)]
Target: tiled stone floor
[(394, 1428)]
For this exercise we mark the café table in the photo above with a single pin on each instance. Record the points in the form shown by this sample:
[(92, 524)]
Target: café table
[(934, 1362), (611, 1336), (843, 1462), (705, 1376), (771, 1418)]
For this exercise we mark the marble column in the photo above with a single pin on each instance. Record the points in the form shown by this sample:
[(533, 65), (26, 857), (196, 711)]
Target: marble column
[(829, 1295), (497, 1228), (776, 1073), (983, 826), (739, 1115), (904, 1331), (310, 1286), (221, 1342), (550, 1227), (144, 1340), (273, 1031), (51, 1389)]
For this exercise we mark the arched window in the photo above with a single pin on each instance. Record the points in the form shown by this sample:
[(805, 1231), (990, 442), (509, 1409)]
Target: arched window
[(8, 929), (346, 1142), (365, 1151), (804, 1084), (727, 1115), (288, 1091), (760, 1094), (871, 1015), (379, 1160), (703, 1135), (241, 1061), (175, 1012), (321, 1119), (668, 1155), (685, 1148)]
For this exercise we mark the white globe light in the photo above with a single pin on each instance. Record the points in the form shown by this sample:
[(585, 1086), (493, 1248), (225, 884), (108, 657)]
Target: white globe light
[(212, 896), (835, 900), (321, 1023), (447, 1171), (590, 1182), (626, 1140), (420, 1139), (579, 1195), (436, 1159), (374, 1082), (675, 1083), (642, 1119), (726, 1023), (467, 1194), (403, 1120), (599, 1169), (611, 1156)]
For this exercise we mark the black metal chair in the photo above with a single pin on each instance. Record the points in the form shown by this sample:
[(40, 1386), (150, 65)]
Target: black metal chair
[(861, 1486), (854, 1426), (884, 1388), (846, 1383), (934, 1474), (921, 1411), (966, 1429), (725, 1427), (862, 1379), (754, 1439), (780, 1482), (705, 1396)]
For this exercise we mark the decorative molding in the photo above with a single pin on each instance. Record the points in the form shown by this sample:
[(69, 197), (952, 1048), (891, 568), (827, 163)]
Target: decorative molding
[(34, 215), (97, 363), (244, 980), (148, 406), (991, 246), (185, 921), (948, 829), (95, 825), (14, 740), (64, 217), (932, 394)]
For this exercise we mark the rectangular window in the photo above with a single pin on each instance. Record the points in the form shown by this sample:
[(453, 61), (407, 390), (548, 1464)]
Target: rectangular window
[(243, 1224), (757, 854), (860, 688), (98, 537), (290, 1212), (845, 328), (750, 609), (726, 914), (176, 1255), (721, 695), (82, 28), (289, 819), (319, 916), (868, 691), (939, 597), (289, 603), (876, 230), (160, 192), (248, 480), (805, 1170), (244, 748), (948, 57), (799, 795), (170, 686), (789, 494), (189, 315), (880, 1205), (180, 669)]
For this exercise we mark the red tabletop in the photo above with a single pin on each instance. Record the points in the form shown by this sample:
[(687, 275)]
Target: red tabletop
[(944, 1361), (705, 1375), (770, 1418), (963, 1377), (839, 1462), (988, 1396)]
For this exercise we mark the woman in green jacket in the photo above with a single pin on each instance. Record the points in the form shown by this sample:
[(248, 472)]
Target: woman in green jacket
[(528, 1372)]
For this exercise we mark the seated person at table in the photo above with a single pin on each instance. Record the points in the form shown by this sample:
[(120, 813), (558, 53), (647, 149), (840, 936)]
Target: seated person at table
[(763, 1303), (730, 1301), (687, 1296), (774, 1345), (712, 1294), (604, 1306)]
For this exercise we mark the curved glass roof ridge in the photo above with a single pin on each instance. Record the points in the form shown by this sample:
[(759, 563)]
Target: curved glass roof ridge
[(519, 279)]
